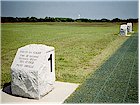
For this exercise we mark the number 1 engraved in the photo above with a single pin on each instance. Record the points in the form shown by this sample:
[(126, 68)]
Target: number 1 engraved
[(50, 61)]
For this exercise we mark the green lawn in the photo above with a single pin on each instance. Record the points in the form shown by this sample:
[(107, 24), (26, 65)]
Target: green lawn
[(116, 81), (80, 47)]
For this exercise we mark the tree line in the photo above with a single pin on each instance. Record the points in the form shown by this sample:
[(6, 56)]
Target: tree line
[(57, 19)]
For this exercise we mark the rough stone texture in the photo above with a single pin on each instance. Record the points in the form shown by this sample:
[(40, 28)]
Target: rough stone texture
[(33, 71), (123, 30), (129, 27)]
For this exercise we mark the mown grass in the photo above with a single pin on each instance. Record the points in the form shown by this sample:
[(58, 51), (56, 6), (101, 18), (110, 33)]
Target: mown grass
[(76, 45), (116, 81)]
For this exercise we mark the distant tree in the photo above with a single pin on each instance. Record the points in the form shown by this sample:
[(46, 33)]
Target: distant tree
[(116, 20), (132, 20), (27, 19), (59, 19), (46, 19), (33, 19), (105, 20)]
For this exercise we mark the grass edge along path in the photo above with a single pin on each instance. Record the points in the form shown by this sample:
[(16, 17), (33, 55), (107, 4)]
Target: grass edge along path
[(110, 82), (99, 59)]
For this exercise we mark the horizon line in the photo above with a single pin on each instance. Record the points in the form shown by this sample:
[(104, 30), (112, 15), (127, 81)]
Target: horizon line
[(68, 17), (74, 0)]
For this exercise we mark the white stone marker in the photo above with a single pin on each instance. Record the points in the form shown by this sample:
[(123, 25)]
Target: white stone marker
[(123, 30), (129, 27), (33, 71)]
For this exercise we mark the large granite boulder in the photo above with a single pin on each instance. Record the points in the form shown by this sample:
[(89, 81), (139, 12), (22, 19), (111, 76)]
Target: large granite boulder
[(33, 71)]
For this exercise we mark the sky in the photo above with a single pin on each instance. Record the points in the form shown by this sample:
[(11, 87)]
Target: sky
[(90, 9)]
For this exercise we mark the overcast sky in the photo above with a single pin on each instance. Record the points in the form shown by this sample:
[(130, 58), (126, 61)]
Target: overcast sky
[(85, 9)]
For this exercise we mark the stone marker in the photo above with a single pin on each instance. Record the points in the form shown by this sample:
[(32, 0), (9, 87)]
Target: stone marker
[(33, 71), (123, 30), (129, 27)]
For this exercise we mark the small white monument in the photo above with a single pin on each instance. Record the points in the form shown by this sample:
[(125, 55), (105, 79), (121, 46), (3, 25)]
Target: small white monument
[(129, 27), (123, 30), (33, 71)]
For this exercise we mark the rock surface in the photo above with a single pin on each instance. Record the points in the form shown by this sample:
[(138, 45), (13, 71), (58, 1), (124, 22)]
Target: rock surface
[(33, 71), (129, 27), (123, 29)]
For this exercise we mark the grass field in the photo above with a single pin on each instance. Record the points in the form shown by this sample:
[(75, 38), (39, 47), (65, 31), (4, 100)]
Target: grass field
[(80, 47), (116, 81)]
